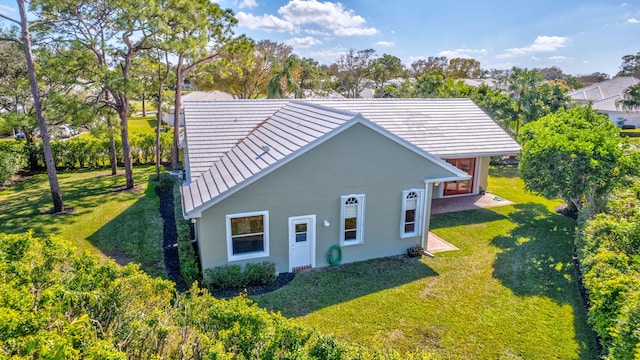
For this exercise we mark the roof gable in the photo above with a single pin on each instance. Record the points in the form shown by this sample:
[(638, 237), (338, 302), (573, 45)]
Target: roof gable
[(283, 136)]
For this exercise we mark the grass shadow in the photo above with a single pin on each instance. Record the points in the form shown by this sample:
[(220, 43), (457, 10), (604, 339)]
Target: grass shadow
[(325, 287), (505, 171), (462, 218), (536, 260), (135, 235)]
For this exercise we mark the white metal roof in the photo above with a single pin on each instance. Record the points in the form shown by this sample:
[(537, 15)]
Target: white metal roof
[(282, 135), (603, 95), (443, 127)]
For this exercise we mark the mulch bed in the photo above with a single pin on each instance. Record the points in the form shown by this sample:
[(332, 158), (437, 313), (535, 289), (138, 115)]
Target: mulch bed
[(170, 239)]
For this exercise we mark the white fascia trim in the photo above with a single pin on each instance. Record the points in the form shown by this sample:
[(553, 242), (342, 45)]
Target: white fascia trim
[(445, 179)]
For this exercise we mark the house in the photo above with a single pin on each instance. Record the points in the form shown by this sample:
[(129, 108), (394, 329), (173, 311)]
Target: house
[(285, 180), (603, 97)]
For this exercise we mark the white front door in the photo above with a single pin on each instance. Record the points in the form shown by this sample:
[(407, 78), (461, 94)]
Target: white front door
[(302, 242)]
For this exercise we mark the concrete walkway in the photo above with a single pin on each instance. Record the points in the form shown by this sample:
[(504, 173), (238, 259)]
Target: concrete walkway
[(462, 203), (436, 244)]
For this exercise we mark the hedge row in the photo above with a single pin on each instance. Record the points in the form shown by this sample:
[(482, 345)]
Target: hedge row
[(609, 248), (233, 276), (93, 153), (58, 304), (12, 159), (187, 255)]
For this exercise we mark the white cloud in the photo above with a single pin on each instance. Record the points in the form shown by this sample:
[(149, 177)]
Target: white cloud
[(265, 22), (7, 9), (633, 21), (558, 58), (305, 42), (385, 43), (328, 15), (248, 4), (317, 32), (462, 53), (541, 44), (355, 31)]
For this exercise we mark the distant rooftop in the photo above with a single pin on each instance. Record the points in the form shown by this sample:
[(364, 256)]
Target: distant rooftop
[(603, 95)]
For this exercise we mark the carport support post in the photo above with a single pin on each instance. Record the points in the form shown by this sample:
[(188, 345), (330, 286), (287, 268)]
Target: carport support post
[(426, 221)]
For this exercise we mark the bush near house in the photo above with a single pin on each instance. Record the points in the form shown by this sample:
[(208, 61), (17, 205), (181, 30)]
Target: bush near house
[(186, 253), (232, 276), (609, 248)]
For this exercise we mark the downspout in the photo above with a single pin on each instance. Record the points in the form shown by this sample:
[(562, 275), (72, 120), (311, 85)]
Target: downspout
[(426, 217)]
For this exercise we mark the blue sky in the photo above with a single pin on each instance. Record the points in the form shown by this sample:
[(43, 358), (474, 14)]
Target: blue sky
[(580, 37)]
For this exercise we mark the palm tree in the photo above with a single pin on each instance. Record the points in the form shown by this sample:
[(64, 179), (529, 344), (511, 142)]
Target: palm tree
[(283, 80), (630, 99)]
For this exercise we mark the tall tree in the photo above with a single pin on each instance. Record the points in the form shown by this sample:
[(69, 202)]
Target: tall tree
[(244, 67), (522, 85), (383, 69), (630, 66), (199, 30), (437, 64), (25, 41), (116, 32), (462, 68), (283, 80), (312, 77), (576, 154), (630, 99), (352, 76)]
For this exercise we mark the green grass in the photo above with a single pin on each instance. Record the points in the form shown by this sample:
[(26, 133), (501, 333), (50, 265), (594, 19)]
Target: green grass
[(509, 293), (125, 225)]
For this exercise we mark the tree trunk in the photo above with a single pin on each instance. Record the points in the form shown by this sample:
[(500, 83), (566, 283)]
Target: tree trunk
[(56, 193), (144, 105), (176, 114), (158, 127), (113, 154), (126, 149)]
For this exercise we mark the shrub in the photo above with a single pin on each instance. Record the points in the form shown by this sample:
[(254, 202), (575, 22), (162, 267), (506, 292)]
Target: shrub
[(232, 276), (12, 159), (166, 182), (225, 277), (609, 247), (260, 274), (186, 254)]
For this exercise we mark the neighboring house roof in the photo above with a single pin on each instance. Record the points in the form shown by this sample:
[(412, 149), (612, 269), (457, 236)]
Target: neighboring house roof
[(443, 127), (291, 130), (492, 83), (207, 95), (603, 95)]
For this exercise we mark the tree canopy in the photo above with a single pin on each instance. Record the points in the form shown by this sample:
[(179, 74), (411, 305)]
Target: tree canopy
[(575, 154)]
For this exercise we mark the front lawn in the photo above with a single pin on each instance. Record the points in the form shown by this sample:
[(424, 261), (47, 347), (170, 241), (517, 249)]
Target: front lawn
[(509, 293), (125, 225)]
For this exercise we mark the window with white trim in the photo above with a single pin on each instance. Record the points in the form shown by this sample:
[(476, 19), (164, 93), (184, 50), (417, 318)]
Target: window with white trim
[(411, 216), (247, 235), (351, 219)]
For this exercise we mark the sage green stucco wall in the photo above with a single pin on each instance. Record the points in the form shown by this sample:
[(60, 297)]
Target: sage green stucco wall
[(356, 161)]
